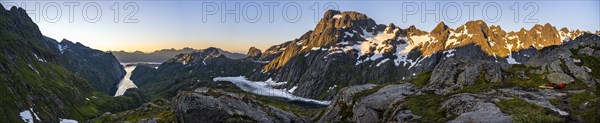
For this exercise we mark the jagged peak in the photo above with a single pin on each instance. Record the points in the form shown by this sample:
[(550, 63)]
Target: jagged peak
[(330, 13), (253, 52), (476, 24), (2, 9), (66, 42), (548, 25), (18, 11), (564, 29), (440, 28), (413, 30), (536, 27), (211, 50), (13, 8), (391, 28)]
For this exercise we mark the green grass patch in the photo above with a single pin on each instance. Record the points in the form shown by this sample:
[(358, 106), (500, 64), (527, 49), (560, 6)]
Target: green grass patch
[(589, 112), (422, 79), (481, 85), (285, 106), (590, 62), (534, 80), (524, 112), (159, 109), (427, 106), (580, 98)]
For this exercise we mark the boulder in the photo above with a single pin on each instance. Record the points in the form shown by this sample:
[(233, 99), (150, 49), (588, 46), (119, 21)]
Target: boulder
[(366, 110), (341, 102), (596, 54), (586, 51), (452, 74), (406, 116), (214, 105), (559, 78), (348, 106), (522, 76), (470, 108)]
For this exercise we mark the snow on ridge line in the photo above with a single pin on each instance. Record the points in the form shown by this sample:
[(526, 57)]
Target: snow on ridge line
[(68, 121), (264, 89)]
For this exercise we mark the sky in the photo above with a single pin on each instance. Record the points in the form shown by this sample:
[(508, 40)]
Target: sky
[(148, 25)]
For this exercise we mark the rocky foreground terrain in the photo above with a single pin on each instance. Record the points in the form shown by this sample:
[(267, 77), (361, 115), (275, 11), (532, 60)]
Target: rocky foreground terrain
[(366, 72)]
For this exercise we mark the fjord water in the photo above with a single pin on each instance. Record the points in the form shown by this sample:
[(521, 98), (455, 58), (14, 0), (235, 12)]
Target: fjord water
[(126, 83)]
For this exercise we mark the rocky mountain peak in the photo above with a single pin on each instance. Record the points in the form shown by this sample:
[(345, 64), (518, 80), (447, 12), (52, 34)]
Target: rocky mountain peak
[(413, 30), (200, 56), (441, 27), (254, 52), (440, 31), (391, 28), (211, 50)]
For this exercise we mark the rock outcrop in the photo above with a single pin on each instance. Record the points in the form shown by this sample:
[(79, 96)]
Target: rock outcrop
[(253, 52), (214, 105), (474, 108), (101, 69), (367, 103), (453, 74)]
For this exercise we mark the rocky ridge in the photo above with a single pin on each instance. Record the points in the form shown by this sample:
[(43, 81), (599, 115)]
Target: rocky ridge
[(349, 48)]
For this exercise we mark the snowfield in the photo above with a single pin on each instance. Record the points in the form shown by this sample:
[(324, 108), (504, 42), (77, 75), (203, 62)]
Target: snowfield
[(28, 117), (266, 89)]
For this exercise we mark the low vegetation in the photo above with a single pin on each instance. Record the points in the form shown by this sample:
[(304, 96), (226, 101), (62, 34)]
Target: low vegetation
[(524, 112), (159, 110), (427, 106)]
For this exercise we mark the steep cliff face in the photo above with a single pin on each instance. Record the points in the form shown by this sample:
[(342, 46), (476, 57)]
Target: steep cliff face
[(48, 80), (101, 69)]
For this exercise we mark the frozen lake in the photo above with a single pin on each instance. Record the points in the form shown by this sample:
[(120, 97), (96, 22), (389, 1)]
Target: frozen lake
[(126, 83)]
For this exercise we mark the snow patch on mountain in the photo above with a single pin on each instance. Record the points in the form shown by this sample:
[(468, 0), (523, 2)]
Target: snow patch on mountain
[(453, 38), (382, 61), (293, 89), (68, 121), (338, 16), (62, 48), (270, 82), (264, 89), (39, 59), (28, 117), (449, 53)]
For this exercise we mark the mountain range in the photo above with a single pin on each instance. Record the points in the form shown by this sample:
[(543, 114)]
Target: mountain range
[(349, 48), (347, 69), (163, 55)]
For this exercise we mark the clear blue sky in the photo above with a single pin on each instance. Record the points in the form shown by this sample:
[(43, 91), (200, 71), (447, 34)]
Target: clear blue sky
[(175, 24)]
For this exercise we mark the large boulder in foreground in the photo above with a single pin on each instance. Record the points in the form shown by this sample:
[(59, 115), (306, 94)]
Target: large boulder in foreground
[(474, 108), (453, 74), (367, 103), (214, 105)]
